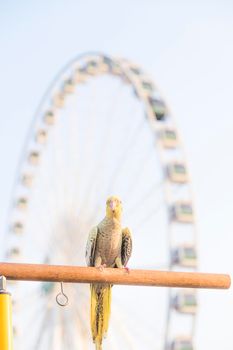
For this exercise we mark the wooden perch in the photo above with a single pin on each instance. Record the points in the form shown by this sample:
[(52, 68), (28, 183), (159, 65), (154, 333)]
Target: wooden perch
[(76, 274)]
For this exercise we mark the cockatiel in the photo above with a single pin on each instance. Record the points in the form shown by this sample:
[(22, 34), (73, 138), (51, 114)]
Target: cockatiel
[(108, 245)]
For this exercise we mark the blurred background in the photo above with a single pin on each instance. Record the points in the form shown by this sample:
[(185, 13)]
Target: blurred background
[(186, 47)]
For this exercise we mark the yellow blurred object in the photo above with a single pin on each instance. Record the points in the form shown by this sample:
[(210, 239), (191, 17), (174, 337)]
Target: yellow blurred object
[(6, 338)]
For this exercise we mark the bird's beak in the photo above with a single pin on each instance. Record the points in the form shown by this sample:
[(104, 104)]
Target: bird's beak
[(112, 205)]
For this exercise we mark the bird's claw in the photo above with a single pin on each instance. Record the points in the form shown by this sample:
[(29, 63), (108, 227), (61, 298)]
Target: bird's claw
[(127, 269), (101, 267)]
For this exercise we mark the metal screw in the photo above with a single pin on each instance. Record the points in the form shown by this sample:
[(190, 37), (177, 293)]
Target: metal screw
[(2, 283)]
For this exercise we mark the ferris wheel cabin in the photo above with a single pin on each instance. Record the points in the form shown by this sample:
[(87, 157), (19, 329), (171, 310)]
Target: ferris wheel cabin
[(184, 256)]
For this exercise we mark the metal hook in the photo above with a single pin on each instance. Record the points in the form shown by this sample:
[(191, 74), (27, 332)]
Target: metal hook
[(61, 298)]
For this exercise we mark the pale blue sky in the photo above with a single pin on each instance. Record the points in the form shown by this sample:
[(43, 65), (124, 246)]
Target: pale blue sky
[(187, 47)]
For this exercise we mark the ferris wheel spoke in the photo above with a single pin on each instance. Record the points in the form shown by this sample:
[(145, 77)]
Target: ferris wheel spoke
[(67, 320), (86, 155), (65, 244), (144, 197), (46, 319), (35, 315), (116, 171), (101, 161), (73, 151), (124, 156), (129, 337), (149, 216), (122, 333), (82, 322), (51, 204), (137, 175), (108, 131), (137, 329)]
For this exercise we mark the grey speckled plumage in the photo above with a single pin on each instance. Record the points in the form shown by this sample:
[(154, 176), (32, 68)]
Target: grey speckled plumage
[(108, 241)]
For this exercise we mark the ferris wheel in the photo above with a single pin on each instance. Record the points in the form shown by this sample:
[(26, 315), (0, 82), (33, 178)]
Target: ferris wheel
[(102, 128)]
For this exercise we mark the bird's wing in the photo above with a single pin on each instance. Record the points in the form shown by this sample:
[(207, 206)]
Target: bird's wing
[(91, 244), (126, 247)]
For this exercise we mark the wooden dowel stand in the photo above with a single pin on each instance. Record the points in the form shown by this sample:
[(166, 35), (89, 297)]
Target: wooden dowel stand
[(76, 274)]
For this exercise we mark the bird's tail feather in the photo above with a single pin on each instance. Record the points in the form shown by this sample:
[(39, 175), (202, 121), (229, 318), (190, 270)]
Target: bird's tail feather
[(100, 312), (98, 346)]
